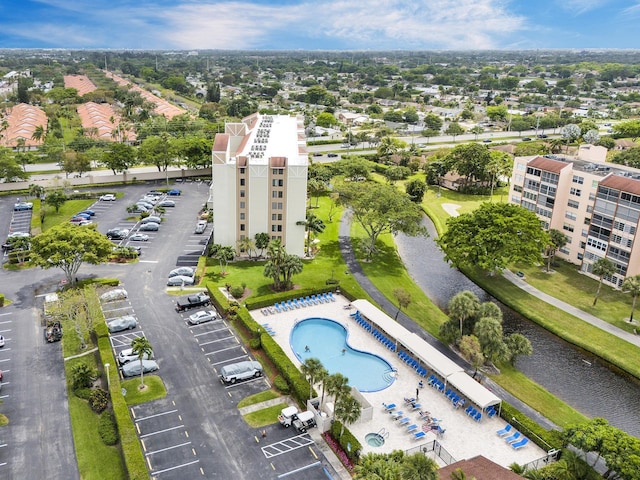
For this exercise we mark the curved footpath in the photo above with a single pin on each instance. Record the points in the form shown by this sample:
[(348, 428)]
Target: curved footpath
[(344, 240), (571, 310)]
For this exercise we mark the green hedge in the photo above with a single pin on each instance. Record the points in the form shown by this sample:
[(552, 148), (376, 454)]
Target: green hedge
[(347, 439), (131, 448), (536, 433)]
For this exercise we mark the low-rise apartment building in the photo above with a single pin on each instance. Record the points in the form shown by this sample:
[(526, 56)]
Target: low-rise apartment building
[(595, 204)]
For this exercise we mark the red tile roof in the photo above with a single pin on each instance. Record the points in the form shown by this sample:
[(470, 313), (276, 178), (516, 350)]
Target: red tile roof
[(547, 164), (624, 184)]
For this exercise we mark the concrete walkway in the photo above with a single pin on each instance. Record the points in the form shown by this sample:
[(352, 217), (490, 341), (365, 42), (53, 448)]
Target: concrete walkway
[(570, 309)]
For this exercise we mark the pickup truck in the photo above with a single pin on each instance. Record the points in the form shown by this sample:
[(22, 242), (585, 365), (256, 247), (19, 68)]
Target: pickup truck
[(193, 301)]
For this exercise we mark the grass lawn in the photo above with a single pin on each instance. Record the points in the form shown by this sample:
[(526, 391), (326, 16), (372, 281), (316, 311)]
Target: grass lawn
[(264, 417), (566, 283), (155, 389), (258, 398), (95, 459), (326, 264)]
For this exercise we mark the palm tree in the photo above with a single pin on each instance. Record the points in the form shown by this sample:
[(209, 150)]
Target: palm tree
[(602, 267), (141, 347), (557, 240), (462, 306), (336, 385), (313, 226), (313, 370), (348, 411), (632, 285)]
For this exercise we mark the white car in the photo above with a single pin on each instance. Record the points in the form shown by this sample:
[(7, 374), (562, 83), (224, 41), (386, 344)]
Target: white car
[(108, 197), (201, 317), (127, 355), (179, 280), (116, 294)]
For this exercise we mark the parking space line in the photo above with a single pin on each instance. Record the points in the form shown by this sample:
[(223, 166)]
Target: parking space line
[(230, 360), (291, 472), (160, 431), (215, 341), (173, 468), (156, 415), (229, 348), (168, 448)]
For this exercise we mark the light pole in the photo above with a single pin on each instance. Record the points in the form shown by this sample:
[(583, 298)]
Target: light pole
[(106, 366)]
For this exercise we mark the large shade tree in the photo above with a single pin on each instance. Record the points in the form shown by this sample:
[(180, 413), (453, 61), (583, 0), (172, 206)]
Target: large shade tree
[(494, 236), (68, 246), (381, 209)]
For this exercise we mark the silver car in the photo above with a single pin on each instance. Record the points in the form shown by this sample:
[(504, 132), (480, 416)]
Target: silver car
[(201, 317), (179, 280), (132, 369), (184, 271), (122, 323)]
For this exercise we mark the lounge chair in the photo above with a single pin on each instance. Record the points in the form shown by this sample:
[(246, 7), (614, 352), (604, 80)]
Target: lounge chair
[(505, 431), (513, 438), (419, 435), (389, 406), (520, 443)]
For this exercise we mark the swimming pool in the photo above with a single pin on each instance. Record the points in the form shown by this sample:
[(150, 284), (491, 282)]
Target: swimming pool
[(327, 341)]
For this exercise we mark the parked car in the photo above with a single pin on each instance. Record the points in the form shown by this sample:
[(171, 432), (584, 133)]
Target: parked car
[(149, 227), (122, 323), (201, 226), (139, 237), (186, 271), (201, 317), (91, 213), (179, 280), (166, 203), (240, 371), (108, 197), (23, 206), (127, 355), (117, 233), (116, 294), (174, 192), (132, 369), (150, 219)]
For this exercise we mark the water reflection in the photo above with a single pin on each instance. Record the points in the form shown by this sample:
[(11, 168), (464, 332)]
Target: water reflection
[(578, 378)]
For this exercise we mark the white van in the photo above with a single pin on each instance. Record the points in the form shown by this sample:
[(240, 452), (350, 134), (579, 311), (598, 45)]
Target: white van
[(240, 371)]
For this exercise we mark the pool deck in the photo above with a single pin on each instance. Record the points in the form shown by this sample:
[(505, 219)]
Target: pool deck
[(463, 439)]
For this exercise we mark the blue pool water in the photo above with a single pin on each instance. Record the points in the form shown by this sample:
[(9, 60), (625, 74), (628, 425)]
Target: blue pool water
[(326, 340)]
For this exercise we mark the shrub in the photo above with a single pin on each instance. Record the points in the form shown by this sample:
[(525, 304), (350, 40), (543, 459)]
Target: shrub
[(82, 376), (98, 400), (237, 291), (83, 393), (107, 428), (281, 384)]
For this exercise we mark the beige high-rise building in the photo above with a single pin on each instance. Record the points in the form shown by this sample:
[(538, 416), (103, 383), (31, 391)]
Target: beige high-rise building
[(595, 204), (260, 181)]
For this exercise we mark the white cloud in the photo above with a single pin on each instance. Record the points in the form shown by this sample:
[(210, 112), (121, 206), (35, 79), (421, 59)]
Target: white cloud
[(241, 24), (582, 6)]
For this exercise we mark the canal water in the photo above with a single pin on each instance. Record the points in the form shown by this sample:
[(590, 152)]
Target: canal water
[(581, 380)]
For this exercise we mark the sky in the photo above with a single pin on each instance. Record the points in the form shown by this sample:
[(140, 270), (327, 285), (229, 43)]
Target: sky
[(320, 24)]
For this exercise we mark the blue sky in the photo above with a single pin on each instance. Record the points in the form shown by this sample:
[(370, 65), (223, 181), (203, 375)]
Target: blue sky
[(320, 24)]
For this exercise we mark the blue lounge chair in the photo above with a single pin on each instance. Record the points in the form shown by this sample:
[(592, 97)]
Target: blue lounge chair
[(520, 443), (389, 406), (513, 438), (505, 431), (419, 435), (412, 428)]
